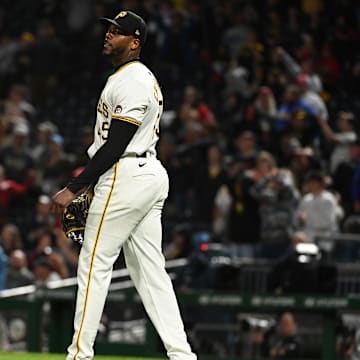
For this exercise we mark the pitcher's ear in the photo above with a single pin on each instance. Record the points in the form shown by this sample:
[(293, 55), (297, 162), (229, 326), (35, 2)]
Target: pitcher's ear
[(135, 44)]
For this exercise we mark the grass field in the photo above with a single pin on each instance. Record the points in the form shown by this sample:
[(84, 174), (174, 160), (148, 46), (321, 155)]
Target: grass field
[(42, 356)]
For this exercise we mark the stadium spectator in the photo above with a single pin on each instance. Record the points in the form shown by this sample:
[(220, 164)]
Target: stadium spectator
[(10, 238), (208, 179), (239, 80), (284, 343), (301, 161), (44, 272), (341, 140), (328, 66), (234, 37), (19, 167), (345, 182), (180, 244), (54, 165), (277, 197), (312, 98), (194, 109), (16, 106), (9, 189), (45, 131), (18, 274), (244, 207), (260, 115), (39, 221), (306, 54), (46, 249), (15, 156), (231, 113), (222, 205), (245, 153), (276, 76), (346, 344), (318, 213), (296, 116)]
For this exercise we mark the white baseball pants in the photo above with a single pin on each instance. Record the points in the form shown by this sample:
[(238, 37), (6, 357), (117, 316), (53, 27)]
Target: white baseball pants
[(126, 213)]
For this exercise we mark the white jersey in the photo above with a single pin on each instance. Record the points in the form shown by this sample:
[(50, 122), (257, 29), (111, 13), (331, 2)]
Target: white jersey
[(322, 214), (314, 99), (131, 94)]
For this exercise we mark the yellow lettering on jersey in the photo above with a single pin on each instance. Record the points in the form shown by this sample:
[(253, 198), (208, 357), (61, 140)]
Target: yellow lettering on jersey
[(158, 98)]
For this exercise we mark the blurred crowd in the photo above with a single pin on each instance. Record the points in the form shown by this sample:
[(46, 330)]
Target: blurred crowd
[(260, 133)]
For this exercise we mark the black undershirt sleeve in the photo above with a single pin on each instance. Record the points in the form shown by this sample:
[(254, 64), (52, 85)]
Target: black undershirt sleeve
[(119, 135)]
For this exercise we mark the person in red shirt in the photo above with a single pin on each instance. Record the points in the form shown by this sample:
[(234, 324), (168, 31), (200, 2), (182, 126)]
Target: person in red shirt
[(8, 189), (328, 66)]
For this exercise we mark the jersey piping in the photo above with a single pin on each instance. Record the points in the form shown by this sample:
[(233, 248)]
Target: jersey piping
[(92, 262), (127, 119)]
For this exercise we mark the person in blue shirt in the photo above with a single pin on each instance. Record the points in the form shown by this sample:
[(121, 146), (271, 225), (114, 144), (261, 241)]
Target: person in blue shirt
[(3, 268), (293, 105)]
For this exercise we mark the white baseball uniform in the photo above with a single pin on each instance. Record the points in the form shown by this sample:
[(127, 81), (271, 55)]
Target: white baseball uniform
[(126, 213)]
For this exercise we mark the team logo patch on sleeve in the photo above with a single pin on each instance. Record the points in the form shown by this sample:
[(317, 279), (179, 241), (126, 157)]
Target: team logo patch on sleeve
[(118, 109)]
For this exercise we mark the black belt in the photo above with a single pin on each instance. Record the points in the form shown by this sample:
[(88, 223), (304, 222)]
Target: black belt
[(135, 155), (143, 155)]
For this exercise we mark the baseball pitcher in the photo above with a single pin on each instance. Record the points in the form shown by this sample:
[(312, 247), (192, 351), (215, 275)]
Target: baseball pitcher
[(130, 187)]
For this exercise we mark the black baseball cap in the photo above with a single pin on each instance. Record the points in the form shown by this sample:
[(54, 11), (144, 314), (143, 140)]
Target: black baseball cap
[(130, 23), (315, 175)]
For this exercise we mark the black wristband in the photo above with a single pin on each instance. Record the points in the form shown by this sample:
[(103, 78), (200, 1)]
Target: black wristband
[(75, 187)]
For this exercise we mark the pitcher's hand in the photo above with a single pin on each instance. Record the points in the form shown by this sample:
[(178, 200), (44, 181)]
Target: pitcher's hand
[(61, 200)]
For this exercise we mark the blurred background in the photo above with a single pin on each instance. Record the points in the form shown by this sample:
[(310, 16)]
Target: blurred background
[(260, 137)]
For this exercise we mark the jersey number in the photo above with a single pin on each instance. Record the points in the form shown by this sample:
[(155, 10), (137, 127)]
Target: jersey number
[(102, 108), (103, 132)]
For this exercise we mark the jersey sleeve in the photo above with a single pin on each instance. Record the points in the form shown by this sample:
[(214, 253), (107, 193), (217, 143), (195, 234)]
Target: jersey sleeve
[(346, 138), (130, 103)]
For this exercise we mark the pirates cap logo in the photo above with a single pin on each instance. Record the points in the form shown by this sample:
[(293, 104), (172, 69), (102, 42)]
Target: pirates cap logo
[(137, 32), (121, 14)]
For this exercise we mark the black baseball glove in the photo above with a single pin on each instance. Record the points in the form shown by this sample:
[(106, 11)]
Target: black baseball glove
[(74, 218)]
